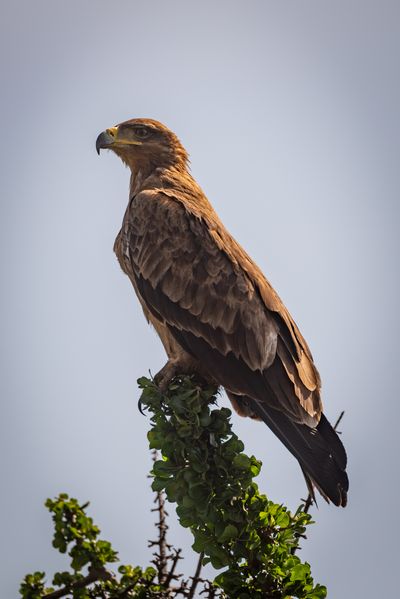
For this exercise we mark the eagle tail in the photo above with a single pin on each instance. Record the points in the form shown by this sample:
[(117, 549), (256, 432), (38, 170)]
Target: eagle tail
[(319, 450)]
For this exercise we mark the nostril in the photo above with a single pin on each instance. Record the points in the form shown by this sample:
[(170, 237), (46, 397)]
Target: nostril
[(111, 132)]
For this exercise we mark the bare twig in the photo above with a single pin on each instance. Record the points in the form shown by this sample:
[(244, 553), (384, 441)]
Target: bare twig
[(196, 578), (161, 558), (171, 574), (161, 561), (338, 422), (308, 502), (167, 558), (210, 589)]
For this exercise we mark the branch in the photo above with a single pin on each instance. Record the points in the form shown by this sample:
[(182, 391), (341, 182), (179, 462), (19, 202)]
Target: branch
[(210, 589), (338, 422), (94, 575), (196, 578), (171, 574), (161, 558)]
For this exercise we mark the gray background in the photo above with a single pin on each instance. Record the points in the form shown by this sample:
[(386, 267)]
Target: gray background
[(290, 112)]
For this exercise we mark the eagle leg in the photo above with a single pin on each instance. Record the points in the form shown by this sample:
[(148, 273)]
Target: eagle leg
[(166, 374)]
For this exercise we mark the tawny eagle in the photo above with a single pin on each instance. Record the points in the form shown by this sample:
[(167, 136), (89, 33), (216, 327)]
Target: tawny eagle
[(212, 307)]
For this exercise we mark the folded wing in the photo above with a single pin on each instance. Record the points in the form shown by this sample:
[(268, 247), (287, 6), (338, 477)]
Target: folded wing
[(217, 304)]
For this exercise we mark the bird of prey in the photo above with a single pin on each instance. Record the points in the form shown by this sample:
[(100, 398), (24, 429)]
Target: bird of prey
[(213, 309)]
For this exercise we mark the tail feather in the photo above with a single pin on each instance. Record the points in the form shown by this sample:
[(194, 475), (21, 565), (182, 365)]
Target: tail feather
[(319, 450)]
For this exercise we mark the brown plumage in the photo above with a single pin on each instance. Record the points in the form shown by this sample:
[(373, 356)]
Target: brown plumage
[(212, 307)]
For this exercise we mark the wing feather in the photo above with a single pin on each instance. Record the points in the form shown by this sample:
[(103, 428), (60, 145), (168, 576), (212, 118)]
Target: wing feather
[(218, 305)]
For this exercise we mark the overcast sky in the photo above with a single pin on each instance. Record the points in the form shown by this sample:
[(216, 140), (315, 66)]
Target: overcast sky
[(290, 112)]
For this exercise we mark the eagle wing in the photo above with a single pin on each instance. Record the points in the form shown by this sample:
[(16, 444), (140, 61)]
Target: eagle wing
[(195, 278)]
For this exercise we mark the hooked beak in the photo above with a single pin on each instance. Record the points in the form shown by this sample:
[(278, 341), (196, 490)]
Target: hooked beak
[(106, 139), (109, 139)]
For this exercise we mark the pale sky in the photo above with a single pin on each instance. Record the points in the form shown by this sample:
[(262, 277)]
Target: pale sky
[(290, 112)]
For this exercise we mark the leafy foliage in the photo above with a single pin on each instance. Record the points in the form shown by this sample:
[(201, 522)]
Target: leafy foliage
[(75, 534), (206, 473)]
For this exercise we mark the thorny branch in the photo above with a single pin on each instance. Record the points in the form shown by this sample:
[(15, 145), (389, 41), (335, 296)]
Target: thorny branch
[(167, 557), (196, 578), (171, 574), (161, 558)]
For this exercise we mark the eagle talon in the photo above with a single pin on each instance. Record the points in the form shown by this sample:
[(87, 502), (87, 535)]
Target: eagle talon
[(139, 405), (163, 378)]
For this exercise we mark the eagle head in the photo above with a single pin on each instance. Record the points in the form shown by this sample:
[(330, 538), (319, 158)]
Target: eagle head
[(143, 143)]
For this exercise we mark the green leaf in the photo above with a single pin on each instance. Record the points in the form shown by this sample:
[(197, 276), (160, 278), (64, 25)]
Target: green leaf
[(241, 461), (229, 532), (283, 520), (300, 572)]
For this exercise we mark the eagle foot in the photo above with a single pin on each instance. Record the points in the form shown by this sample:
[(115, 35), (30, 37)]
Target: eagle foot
[(163, 378)]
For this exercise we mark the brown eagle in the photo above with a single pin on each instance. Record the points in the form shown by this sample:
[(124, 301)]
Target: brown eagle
[(212, 307)]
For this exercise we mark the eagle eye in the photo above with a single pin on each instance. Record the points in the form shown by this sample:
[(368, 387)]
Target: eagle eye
[(141, 132)]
